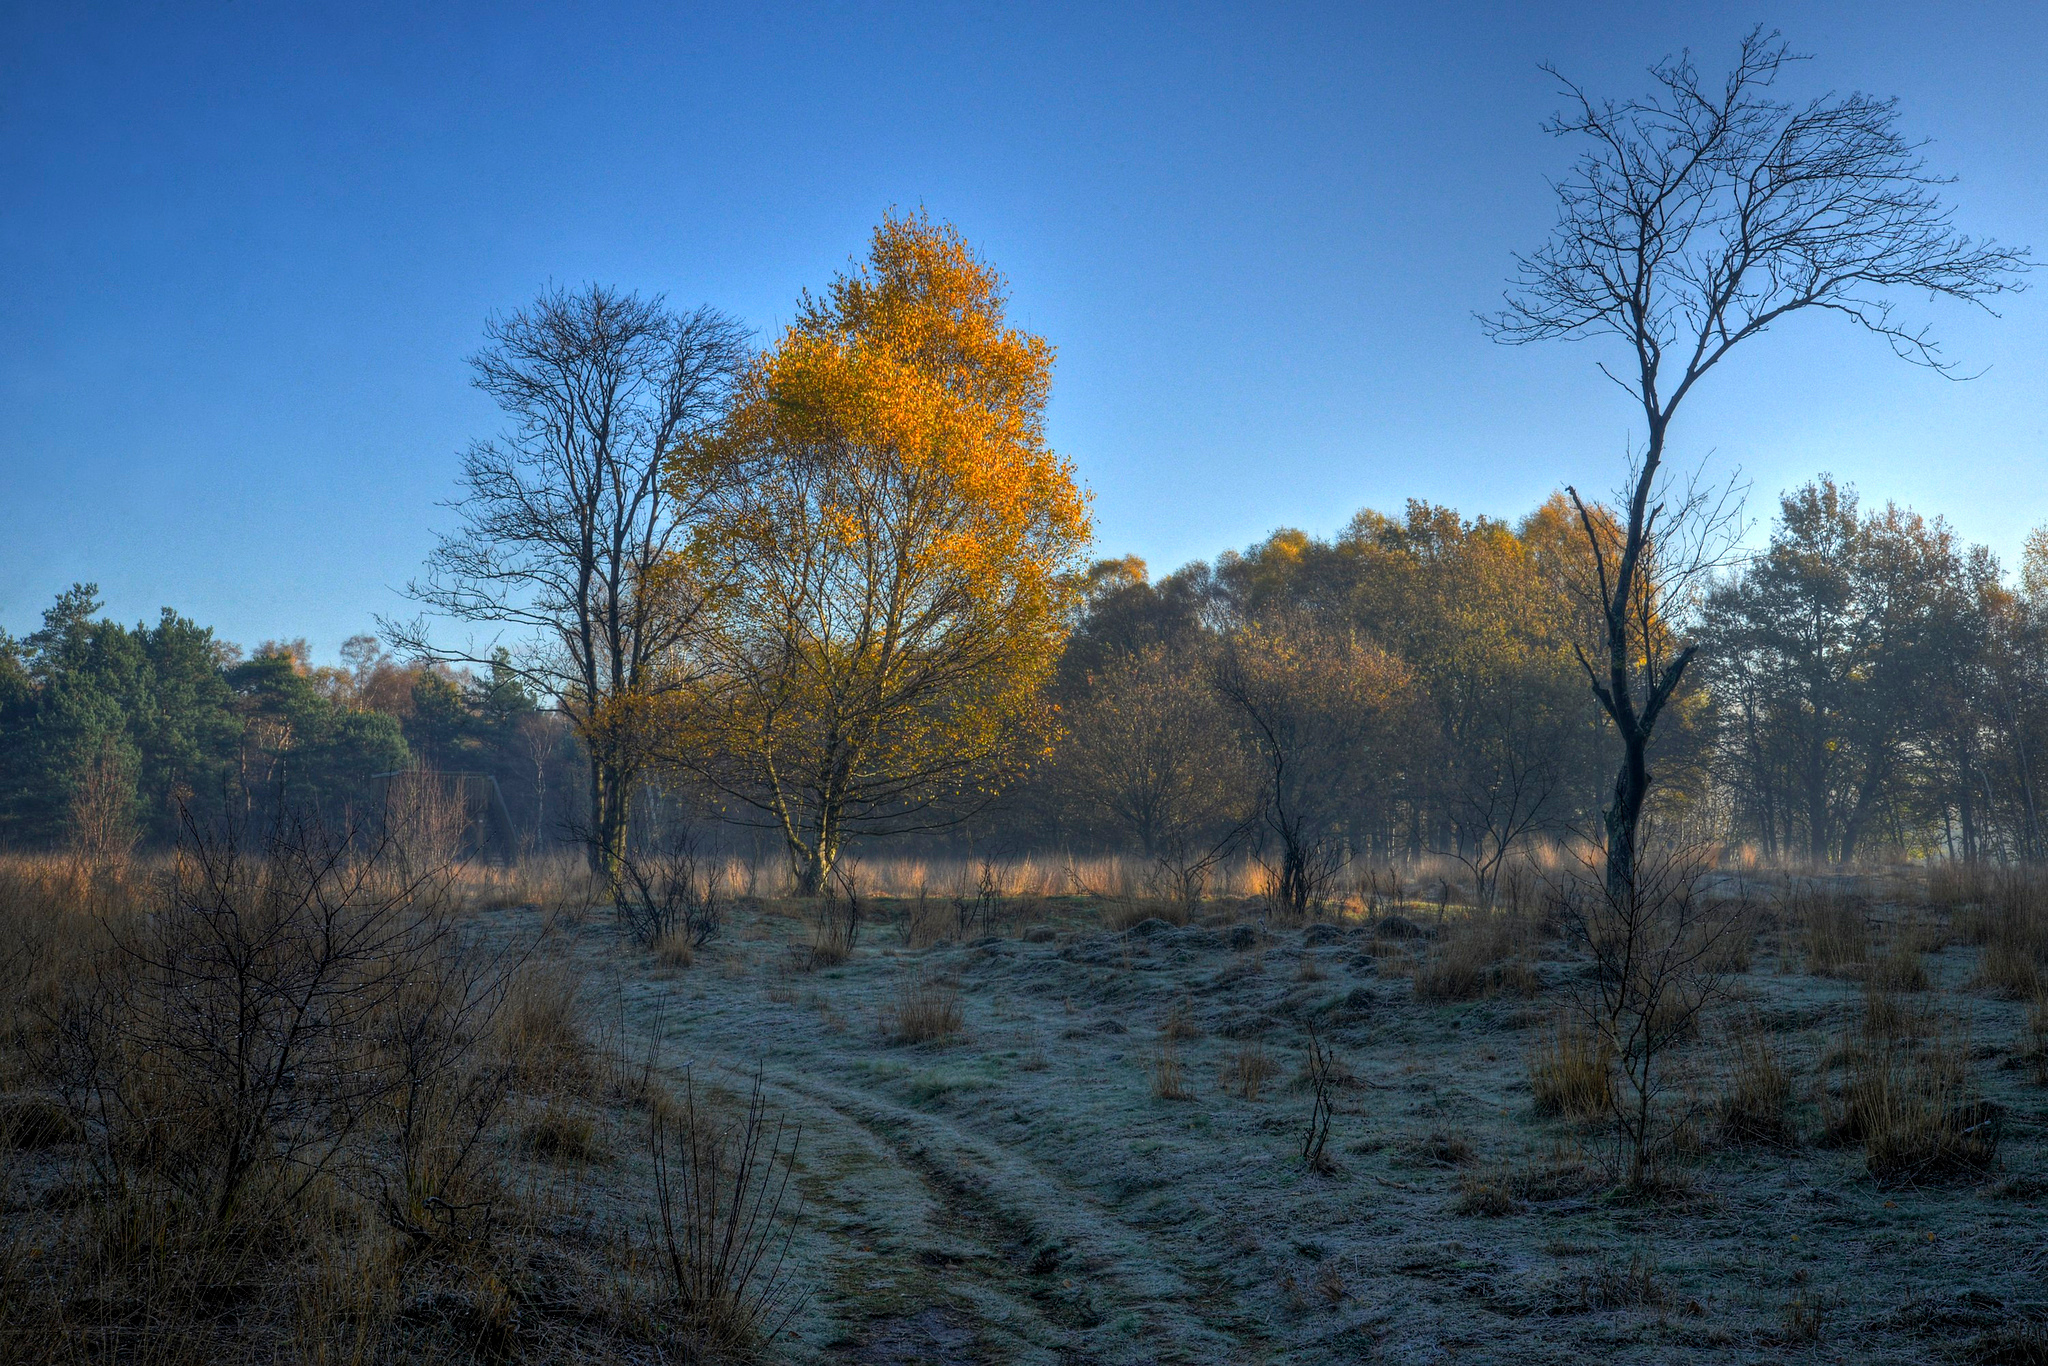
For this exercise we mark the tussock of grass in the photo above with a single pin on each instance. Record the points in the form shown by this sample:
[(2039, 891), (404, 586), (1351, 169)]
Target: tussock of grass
[(1755, 1106), (1571, 1071), (1247, 1070), (1477, 959), (1915, 1111), (1837, 937), (1168, 1080), (926, 1010)]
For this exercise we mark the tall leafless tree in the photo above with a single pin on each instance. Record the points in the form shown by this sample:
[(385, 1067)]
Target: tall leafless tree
[(1696, 218), (569, 514)]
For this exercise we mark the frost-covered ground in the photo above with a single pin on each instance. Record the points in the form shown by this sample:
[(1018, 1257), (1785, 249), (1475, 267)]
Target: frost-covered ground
[(1018, 1193)]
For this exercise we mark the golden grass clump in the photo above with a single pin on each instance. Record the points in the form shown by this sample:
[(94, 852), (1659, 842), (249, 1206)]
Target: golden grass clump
[(1571, 1071), (1754, 1107), (1478, 958), (1247, 1070), (1915, 1110), (1837, 938), (542, 1029), (926, 1010), (1168, 1080)]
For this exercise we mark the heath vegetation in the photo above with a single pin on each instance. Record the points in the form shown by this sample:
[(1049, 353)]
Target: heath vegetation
[(806, 931)]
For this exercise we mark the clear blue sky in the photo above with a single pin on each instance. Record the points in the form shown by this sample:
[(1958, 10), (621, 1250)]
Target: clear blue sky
[(248, 245)]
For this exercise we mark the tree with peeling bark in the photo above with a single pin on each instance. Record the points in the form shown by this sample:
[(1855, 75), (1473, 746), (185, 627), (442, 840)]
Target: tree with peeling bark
[(1696, 219), (904, 555)]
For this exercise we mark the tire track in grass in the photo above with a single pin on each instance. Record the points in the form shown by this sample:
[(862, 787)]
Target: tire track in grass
[(1099, 1286)]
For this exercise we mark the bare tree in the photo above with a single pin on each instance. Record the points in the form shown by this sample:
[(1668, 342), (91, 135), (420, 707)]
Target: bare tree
[(1695, 220), (573, 513), (1319, 711), (1151, 753)]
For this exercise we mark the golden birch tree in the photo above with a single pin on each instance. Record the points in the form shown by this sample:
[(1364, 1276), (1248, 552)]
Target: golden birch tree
[(902, 554)]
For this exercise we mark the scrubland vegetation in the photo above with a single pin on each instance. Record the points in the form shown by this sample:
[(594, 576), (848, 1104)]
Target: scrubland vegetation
[(265, 1104), (823, 915)]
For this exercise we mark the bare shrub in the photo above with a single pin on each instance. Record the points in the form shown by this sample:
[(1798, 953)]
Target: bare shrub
[(102, 812), (1571, 1071), (669, 892), (926, 1010), (836, 922), (443, 1091), (1247, 1070), (1322, 1070), (217, 1040), (924, 920), (722, 1223), (1655, 939)]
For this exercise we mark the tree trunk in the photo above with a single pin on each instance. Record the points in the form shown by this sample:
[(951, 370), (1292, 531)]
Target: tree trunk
[(610, 789), (1625, 813)]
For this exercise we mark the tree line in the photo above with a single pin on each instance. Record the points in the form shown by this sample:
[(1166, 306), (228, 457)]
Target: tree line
[(838, 588), (112, 736)]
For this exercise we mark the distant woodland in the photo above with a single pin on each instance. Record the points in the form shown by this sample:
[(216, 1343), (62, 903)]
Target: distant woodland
[(1870, 687)]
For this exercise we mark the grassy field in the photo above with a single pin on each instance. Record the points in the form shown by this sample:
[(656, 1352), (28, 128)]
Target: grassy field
[(1052, 1123)]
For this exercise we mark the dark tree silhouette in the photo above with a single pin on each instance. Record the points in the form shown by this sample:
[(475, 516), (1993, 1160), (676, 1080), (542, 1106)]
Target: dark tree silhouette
[(1696, 218), (571, 512)]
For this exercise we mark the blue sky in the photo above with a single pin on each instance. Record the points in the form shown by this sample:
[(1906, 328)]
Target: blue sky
[(249, 245)]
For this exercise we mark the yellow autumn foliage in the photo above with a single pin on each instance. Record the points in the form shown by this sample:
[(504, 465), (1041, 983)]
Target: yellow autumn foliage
[(901, 554)]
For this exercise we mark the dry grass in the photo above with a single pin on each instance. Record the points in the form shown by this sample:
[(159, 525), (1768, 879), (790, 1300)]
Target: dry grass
[(1168, 1080), (2033, 1043), (2007, 915), (1915, 1110), (1478, 956), (543, 1029), (1900, 969), (1246, 1072), (1755, 1106), (1571, 1071), (1837, 937), (926, 1010)]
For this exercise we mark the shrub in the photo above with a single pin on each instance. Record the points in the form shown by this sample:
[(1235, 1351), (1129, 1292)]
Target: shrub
[(722, 1223)]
